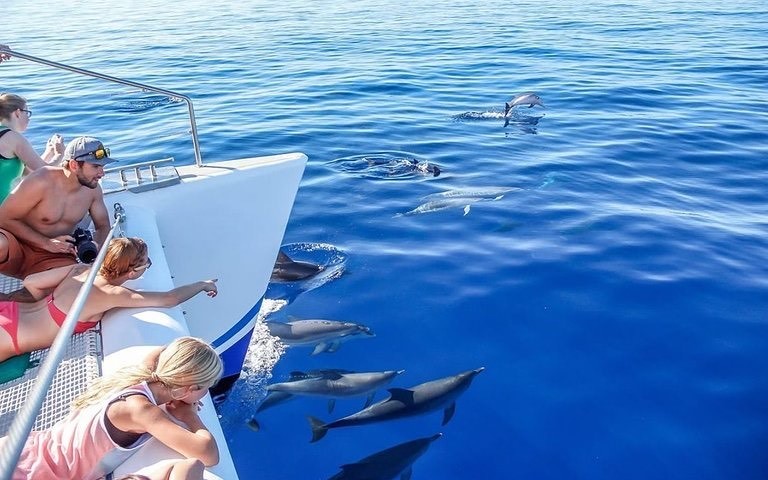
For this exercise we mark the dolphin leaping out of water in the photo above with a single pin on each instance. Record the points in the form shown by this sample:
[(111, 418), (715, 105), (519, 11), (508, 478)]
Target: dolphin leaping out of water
[(527, 98)]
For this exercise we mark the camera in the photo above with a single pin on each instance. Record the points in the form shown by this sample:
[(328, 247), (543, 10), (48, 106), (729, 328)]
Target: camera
[(87, 251)]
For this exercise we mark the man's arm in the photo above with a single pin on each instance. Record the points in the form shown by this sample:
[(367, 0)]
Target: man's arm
[(18, 205), (100, 217)]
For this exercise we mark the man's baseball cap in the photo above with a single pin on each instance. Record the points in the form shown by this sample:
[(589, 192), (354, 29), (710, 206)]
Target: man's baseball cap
[(87, 149)]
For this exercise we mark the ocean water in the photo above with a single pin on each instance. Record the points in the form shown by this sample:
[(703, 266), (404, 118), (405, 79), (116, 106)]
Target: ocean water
[(615, 292)]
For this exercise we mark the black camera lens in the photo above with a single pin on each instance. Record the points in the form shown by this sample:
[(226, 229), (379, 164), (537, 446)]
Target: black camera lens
[(86, 248), (87, 252)]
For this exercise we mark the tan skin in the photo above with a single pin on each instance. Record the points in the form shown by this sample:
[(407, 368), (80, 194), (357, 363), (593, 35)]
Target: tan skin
[(14, 144), (45, 208), (186, 469), (138, 415), (36, 328)]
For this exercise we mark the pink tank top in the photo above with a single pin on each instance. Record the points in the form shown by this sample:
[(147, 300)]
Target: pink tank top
[(78, 446)]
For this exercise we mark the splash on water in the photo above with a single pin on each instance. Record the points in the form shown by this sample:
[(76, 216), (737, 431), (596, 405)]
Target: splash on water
[(329, 257), (263, 353), (140, 101), (387, 166)]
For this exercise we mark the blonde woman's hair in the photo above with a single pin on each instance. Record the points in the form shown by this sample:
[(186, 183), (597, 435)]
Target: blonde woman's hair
[(9, 103), (123, 255), (187, 361)]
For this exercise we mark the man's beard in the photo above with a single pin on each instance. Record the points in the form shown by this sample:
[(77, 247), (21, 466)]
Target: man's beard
[(85, 183)]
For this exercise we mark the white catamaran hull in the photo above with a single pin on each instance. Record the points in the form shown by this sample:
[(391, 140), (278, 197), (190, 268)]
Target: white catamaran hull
[(224, 221)]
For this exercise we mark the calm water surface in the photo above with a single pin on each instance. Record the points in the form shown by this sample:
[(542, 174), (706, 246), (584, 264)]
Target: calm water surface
[(616, 296)]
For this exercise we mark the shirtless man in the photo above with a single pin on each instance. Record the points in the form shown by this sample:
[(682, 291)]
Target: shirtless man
[(39, 216)]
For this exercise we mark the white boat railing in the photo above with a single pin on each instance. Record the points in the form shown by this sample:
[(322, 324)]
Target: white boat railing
[(109, 78), (24, 421), (140, 177)]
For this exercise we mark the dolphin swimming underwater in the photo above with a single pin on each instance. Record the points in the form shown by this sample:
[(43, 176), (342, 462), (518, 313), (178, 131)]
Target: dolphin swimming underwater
[(460, 197), (527, 98), (405, 402), (288, 270), (272, 399), (388, 463), (326, 335), (334, 384)]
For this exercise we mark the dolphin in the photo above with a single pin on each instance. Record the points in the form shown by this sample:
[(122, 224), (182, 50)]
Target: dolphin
[(273, 399), (405, 402), (425, 167), (334, 384), (527, 98), (288, 270), (326, 335), (389, 463), (400, 165), (461, 197)]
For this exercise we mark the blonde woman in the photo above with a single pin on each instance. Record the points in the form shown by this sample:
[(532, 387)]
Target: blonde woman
[(16, 152), (33, 326), (119, 413)]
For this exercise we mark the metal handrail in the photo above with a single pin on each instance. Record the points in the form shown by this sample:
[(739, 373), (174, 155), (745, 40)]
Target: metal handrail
[(25, 419), (193, 123)]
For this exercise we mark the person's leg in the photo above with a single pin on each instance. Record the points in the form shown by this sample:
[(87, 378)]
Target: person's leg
[(11, 254), (3, 248), (188, 469)]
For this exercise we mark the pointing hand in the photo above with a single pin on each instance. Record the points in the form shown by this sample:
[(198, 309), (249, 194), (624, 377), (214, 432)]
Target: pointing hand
[(209, 286)]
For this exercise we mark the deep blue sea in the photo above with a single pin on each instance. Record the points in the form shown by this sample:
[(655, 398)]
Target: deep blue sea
[(617, 291)]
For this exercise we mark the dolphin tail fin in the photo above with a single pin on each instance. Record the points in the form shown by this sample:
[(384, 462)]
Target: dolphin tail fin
[(448, 413), (319, 430)]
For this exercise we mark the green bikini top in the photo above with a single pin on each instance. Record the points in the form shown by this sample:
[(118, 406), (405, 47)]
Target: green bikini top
[(10, 170)]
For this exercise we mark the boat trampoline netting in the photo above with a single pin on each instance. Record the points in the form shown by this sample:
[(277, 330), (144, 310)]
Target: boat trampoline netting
[(80, 366)]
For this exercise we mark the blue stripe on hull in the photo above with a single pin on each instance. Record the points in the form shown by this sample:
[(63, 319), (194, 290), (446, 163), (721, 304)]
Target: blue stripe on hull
[(234, 355)]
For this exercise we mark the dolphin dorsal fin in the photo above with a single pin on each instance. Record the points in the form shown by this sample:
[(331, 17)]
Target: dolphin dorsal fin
[(401, 394), (283, 258)]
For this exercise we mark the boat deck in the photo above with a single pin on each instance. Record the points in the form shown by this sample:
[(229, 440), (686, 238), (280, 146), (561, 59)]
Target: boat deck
[(80, 365)]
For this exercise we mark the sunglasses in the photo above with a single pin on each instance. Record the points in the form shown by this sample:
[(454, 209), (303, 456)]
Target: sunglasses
[(145, 266), (97, 154), (28, 112)]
